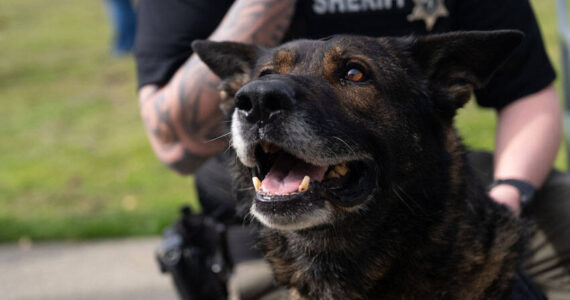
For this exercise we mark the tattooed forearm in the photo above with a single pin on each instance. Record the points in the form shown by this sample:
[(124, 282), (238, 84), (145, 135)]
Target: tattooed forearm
[(183, 119), (198, 102), (262, 22), (163, 129), (188, 163), (146, 94), (189, 94)]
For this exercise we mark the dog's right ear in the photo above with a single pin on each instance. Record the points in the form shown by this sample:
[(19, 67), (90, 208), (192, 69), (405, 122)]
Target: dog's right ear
[(227, 59), (460, 62)]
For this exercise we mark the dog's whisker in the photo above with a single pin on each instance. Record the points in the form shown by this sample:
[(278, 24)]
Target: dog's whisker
[(416, 204), (219, 137), (229, 147), (346, 144), (249, 217), (245, 189), (402, 199)]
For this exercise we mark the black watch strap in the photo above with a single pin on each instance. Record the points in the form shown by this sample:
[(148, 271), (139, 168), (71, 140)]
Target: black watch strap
[(526, 189)]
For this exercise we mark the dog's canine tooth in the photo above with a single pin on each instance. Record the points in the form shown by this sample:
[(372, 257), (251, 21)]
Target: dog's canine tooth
[(256, 183), (304, 184), (341, 169)]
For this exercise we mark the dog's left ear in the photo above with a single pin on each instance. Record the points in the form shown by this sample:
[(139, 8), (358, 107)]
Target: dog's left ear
[(462, 61), (226, 59), (232, 62)]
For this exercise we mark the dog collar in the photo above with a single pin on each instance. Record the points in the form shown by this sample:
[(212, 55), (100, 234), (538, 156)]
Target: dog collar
[(525, 188)]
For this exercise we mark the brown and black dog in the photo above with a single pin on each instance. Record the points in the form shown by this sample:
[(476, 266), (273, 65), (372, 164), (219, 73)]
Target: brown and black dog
[(359, 176)]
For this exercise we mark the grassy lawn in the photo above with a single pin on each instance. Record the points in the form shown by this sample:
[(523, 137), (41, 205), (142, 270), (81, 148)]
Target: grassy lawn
[(74, 161)]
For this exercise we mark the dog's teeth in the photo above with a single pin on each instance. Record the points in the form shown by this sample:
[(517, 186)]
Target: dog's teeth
[(268, 147), (341, 169), (256, 183), (332, 174), (265, 146), (304, 184), (337, 171)]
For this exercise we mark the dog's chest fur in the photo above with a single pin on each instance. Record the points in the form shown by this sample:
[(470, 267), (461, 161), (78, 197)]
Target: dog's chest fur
[(453, 254)]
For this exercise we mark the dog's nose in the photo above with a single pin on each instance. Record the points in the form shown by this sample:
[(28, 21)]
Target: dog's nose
[(263, 100)]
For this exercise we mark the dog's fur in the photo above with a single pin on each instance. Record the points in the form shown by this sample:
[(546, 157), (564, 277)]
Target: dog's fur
[(412, 223)]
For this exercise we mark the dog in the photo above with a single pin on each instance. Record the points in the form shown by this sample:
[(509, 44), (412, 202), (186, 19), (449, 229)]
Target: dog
[(359, 178)]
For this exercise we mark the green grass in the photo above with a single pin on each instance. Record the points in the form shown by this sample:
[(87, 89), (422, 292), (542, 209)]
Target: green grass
[(74, 160)]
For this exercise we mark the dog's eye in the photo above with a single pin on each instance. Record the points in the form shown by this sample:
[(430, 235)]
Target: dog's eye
[(355, 73), (266, 72)]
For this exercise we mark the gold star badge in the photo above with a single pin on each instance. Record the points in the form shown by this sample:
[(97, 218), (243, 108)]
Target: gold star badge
[(428, 11)]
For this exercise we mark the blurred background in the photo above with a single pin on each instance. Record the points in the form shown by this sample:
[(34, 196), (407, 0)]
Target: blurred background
[(75, 163), (74, 159)]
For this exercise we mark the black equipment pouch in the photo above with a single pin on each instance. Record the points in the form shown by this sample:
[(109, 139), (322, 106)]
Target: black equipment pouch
[(194, 252)]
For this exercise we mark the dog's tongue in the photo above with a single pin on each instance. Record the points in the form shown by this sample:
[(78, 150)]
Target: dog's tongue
[(287, 173)]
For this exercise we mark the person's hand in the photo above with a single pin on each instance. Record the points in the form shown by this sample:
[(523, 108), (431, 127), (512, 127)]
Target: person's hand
[(507, 195)]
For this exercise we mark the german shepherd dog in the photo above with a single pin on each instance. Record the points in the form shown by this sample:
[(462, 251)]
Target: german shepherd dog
[(359, 178)]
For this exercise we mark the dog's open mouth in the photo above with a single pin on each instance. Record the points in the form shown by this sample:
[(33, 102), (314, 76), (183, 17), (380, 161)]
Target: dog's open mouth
[(281, 176)]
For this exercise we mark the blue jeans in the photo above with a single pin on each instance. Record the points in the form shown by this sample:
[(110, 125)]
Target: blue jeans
[(123, 19)]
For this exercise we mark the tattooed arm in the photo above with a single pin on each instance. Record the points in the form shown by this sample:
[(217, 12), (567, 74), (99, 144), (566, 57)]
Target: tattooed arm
[(182, 118)]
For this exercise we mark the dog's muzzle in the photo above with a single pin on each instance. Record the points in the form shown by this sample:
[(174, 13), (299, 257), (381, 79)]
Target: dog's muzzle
[(295, 171)]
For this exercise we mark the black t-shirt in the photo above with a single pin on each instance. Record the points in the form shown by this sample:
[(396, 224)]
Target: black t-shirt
[(167, 27)]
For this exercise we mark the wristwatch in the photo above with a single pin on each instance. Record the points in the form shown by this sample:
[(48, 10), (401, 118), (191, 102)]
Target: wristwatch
[(525, 188)]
